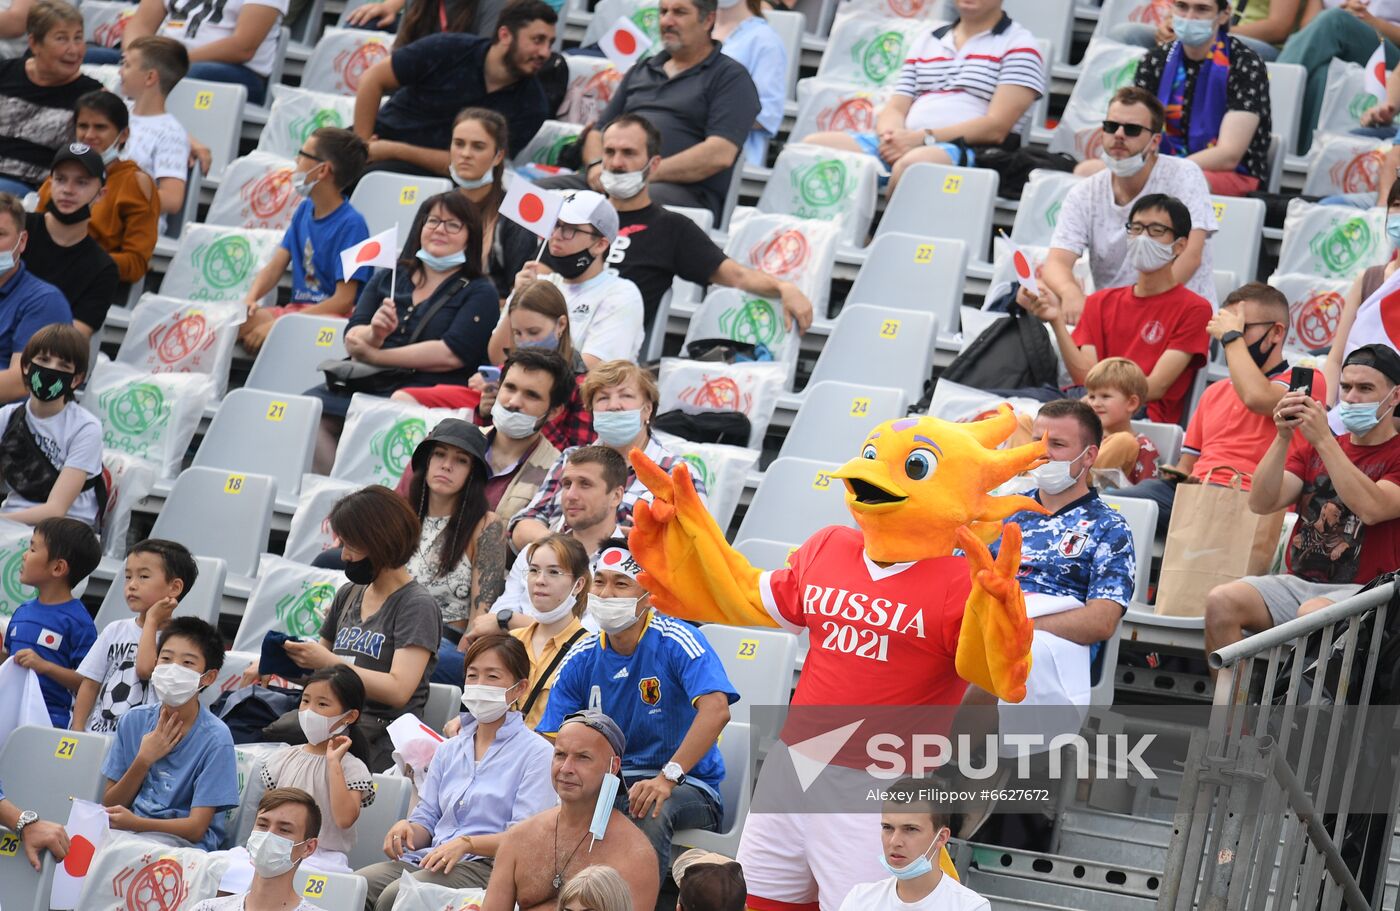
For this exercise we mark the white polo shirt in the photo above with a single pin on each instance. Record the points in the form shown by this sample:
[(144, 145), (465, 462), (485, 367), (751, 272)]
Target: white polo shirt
[(950, 84)]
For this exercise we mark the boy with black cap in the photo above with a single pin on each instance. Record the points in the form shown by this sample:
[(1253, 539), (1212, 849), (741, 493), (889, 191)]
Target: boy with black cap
[(1347, 491), (60, 251)]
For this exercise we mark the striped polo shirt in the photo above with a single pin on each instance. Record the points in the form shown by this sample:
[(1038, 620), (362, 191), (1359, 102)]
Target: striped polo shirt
[(951, 84)]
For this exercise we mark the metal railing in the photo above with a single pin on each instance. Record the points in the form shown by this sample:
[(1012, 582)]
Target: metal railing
[(1264, 803)]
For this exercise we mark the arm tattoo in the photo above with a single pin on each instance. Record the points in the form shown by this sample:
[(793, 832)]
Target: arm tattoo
[(490, 567)]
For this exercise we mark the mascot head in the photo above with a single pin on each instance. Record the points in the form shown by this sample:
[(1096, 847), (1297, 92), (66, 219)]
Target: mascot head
[(918, 479)]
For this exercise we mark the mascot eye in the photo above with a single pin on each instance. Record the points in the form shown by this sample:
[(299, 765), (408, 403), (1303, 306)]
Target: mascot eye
[(920, 464), (868, 452)]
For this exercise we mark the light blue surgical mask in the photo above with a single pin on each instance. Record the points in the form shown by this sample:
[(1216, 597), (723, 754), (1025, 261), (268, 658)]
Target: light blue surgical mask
[(1193, 32), (442, 263), (548, 342), (483, 180), (7, 258), (602, 810), (300, 185), (109, 156), (1361, 417), (1392, 229), (615, 428), (916, 868)]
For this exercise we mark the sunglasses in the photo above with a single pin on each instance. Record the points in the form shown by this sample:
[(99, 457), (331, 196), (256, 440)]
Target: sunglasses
[(1130, 130)]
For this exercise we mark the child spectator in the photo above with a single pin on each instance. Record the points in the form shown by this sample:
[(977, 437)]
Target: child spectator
[(171, 771), (330, 160), (51, 633), (117, 670), (1116, 388), (325, 767), (126, 216), (50, 448), (158, 144)]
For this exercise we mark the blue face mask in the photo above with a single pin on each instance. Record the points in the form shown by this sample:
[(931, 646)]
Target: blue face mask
[(1193, 32), (616, 428), (919, 867), (1361, 417), (549, 342), (442, 263), (1392, 229), (465, 184), (7, 259)]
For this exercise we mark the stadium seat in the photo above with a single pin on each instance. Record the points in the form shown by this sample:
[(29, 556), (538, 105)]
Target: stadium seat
[(288, 361), (1052, 21), (765, 554), (104, 21), (202, 601), (295, 113), (879, 346), (545, 146), (310, 532), (45, 768), (379, 438), (1141, 516), (391, 796), (289, 598), (825, 103), (1103, 671), (218, 513), (915, 272), (798, 250), (758, 662), (386, 199), (734, 314), (214, 264), (1286, 82), (256, 192), (1039, 209), (1166, 437), (1344, 164), (736, 790), (331, 890), (213, 113), (811, 181), (444, 702), (270, 433), (724, 469), (341, 56), (789, 25), (959, 201), (24, 889), (835, 418), (868, 49), (242, 817), (680, 291), (643, 13), (1332, 241), (796, 497)]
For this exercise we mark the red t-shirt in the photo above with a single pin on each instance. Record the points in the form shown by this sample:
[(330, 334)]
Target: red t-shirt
[(1330, 543), (1120, 324), (1145, 468), (1224, 433)]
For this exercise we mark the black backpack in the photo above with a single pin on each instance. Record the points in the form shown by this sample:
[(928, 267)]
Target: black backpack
[(1011, 353)]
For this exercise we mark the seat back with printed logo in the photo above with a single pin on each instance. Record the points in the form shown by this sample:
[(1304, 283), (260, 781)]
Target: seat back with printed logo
[(1314, 309), (176, 335), (824, 184), (256, 192), (386, 199), (217, 264), (297, 113), (547, 145), (310, 532), (796, 497), (1107, 67), (869, 50), (151, 416), (742, 317), (723, 469), (290, 598), (1039, 210), (341, 56), (219, 513), (1346, 98), (380, 436), (1332, 241), (793, 249), (645, 15), (825, 103), (592, 81), (696, 387), (1344, 164), (130, 479)]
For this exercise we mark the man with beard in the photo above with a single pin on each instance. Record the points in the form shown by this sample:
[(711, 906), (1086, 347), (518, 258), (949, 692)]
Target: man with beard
[(435, 77)]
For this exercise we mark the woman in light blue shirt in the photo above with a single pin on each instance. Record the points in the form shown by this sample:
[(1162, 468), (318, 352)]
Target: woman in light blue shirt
[(492, 775), (748, 38)]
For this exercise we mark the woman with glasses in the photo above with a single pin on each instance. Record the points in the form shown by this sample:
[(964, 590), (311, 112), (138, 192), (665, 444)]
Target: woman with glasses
[(435, 328)]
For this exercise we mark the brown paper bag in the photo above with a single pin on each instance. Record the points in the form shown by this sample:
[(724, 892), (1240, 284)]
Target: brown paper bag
[(1214, 538)]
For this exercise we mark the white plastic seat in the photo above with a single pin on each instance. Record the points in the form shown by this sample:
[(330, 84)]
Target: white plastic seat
[(296, 346), (1332, 241), (794, 249), (1166, 437), (213, 113), (256, 192), (935, 200), (310, 534), (1141, 516), (1340, 164), (391, 796), (736, 790), (214, 264), (289, 598), (270, 433), (1039, 209), (295, 114), (896, 264), (444, 702), (45, 768), (835, 419), (23, 888), (341, 56), (219, 513), (796, 497), (879, 346), (1112, 66), (1236, 244), (1052, 20), (1286, 84), (203, 599), (810, 181), (680, 290), (544, 147), (758, 663), (789, 24), (869, 50), (765, 554), (386, 199), (331, 890)]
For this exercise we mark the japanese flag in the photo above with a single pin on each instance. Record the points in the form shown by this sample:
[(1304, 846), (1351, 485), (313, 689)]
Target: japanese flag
[(1376, 73), (87, 831), (380, 250), (530, 207), (624, 44), (50, 639), (1025, 268)]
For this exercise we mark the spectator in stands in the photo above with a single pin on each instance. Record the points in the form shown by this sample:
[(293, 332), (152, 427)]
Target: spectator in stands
[(35, 835), (323, 225), (58, 247), (51, 448), (284, 837), (1215, 92), (745, 35), (1094, 210), (965, 88), (480, 138), (126, 213), (439, 284), (704, 116), (709, 882), (588, 750), (1346, 32), (595, 888), (117, 670), (1233, 424), (38, 92), (913, 829), (13, 42), (488, 778), (233, 42), (655, 246), (1261, 25), (669, 666), (27, 302), (1346, 489), (1155, 322), (428, 17), (52, 632), (158, 144), (1116, 389), (623, 399), (437, 76), (605, 309), (1363, 287), (171, 772)]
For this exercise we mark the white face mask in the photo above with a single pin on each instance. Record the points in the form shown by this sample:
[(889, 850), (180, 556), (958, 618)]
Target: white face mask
[(271, 853), (486, 703), (555, 614), (623, 185), (174, 684), (1123, 167), (515, 424), (1148, 255), (317, 727), (613, 614), (1054, 477)]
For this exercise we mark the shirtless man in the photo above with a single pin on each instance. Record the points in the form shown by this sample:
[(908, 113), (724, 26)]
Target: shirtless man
[(543, 852)]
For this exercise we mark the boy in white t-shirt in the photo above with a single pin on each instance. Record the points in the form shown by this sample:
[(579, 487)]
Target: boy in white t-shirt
[(117, 670), (50, 448), (150, 68), (913, 831)]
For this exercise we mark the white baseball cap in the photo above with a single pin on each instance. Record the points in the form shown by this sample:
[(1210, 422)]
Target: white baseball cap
[(584, 207)]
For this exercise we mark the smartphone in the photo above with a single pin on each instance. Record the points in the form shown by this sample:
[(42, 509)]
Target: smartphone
[(1301, 378), (493, 374), (1171, 473)]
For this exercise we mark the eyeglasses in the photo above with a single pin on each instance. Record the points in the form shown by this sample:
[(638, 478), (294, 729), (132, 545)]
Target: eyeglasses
[(1157, 232), (1130, 130), (553, 574), (305, 154), (569, 232), (450, 226)]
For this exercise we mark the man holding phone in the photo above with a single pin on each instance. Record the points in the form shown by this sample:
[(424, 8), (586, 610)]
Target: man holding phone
[(1347, 492), (1232, 425)]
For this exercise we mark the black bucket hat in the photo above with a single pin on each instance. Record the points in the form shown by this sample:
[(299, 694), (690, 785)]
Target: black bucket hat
[(453, 432)]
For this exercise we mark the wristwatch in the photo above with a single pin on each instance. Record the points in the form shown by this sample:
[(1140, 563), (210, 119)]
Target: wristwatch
[(503, 617), (930, 139), (1230, 336), (673, 773), (28, 816)]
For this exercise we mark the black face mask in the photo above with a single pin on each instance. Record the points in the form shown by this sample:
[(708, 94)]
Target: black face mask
[(80, 214), (570, 266), (360, 572), (1258, 354), (47, 384)]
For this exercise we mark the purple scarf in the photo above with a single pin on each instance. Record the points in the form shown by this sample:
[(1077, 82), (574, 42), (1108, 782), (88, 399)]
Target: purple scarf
[(1208, 101)]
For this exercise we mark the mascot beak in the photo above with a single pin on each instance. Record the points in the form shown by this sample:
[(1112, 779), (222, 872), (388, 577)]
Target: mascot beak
[(870, 485)]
